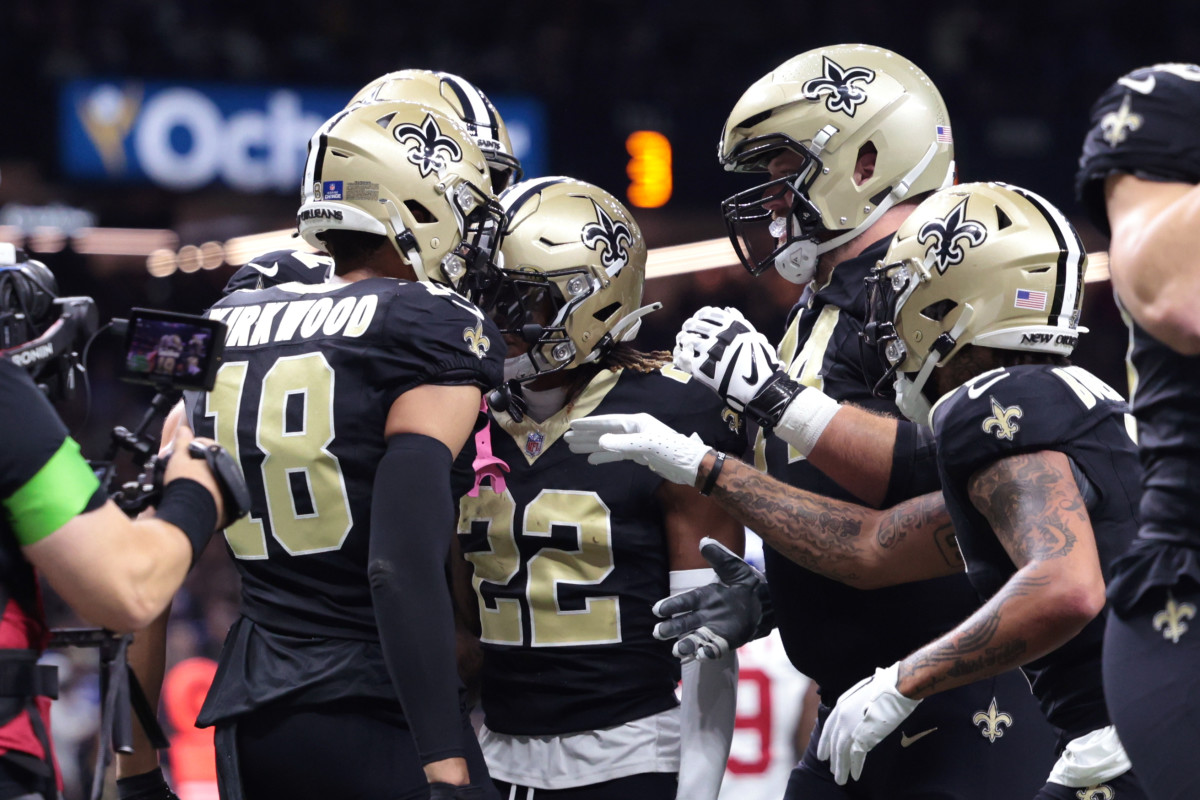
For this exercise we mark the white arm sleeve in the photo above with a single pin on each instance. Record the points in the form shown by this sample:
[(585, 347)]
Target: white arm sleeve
[(707, 709)]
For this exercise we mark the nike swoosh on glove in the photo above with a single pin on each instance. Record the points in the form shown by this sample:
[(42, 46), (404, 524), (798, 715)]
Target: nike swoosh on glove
[(722, 350), (714, 620), (864, 716), (640, 438)]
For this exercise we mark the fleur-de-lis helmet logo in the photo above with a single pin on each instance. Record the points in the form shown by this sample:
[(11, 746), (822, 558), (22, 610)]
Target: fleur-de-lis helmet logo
[(429, 148), (945, 249), (615, 236), (841, 86)]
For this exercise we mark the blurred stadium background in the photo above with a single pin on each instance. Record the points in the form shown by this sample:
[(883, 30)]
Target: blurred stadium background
[(141, 137)]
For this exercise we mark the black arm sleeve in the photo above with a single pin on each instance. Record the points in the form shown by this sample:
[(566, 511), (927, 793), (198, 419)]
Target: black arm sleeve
[(914, 464), (412, 520)]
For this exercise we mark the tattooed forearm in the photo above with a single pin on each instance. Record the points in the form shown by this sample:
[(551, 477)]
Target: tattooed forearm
[(854, 544), (1032, 504), (977, 648), (947, 544), (922, 514), (817, 533)]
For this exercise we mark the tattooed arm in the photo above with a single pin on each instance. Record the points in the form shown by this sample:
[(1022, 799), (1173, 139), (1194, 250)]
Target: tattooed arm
[(864, 547), (1035, 509)]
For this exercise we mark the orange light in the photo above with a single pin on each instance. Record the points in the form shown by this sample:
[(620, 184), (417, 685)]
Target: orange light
[(649, 169)]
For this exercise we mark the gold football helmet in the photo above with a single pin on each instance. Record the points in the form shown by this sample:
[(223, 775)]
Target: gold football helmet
[(573, 262), (460, 99), (982, 263), (408, 172), (826, 106)]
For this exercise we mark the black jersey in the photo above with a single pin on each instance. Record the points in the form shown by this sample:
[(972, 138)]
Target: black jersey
[(281, 266), (1165, 388), (1027, 409), (309, 375), (569, 559), (1166, 401), (832, 632)]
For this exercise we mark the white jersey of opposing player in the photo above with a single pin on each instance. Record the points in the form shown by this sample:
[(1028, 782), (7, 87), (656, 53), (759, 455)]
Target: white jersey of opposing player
[(769, 703)]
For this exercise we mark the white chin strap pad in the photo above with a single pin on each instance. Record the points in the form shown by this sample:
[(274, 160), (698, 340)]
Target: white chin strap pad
[(798, 262)]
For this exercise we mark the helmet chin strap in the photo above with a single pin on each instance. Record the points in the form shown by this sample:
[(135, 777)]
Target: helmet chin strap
[(909, 398), (627, 329), (798, 261), (402, 233)]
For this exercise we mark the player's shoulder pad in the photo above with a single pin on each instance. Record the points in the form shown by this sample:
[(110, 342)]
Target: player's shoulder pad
[(1018, 409), (1143, 124), (281, 266), (444, 324), (690, 407)]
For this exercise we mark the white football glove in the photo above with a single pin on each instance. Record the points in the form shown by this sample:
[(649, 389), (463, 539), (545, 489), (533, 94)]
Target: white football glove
[(641, 438), (721, 349), (864, 716)]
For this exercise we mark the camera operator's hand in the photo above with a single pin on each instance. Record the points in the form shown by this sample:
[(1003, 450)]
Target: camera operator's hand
[(183, 465)]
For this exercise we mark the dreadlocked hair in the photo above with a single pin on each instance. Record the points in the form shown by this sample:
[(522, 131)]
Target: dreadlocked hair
[(625, 356), (621, 356)]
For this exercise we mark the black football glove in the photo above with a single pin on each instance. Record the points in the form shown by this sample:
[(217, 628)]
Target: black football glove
[(147, 786), (714, 620)]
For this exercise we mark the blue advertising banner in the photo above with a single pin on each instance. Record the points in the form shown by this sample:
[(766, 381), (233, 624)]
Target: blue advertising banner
[(184, 136)]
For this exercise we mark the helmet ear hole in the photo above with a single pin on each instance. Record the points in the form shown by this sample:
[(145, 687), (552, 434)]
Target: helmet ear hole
[(938, 311), (420, 213), (603, 314)]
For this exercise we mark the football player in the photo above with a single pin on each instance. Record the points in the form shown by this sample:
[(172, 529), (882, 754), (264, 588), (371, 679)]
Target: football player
[(442, 91), (977, 303), (347, 401), (850, 138), (1138, 177), (568, 558)]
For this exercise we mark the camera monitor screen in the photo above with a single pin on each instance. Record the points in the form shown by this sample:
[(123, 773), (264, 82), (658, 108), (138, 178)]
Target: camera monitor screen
[(178, 351)]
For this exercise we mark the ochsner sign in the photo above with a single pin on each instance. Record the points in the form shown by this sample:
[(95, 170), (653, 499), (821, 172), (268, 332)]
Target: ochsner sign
[(185, 136)]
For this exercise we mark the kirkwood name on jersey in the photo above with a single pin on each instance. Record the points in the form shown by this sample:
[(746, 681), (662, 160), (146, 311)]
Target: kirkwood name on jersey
[(289, 320)]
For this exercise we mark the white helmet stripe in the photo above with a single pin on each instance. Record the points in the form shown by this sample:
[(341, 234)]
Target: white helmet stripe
[(516, 195), (476, 108), (316, 157), (1070, 261)]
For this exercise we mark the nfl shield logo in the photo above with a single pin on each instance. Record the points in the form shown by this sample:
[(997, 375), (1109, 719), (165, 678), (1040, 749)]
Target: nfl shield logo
[(533, 444)]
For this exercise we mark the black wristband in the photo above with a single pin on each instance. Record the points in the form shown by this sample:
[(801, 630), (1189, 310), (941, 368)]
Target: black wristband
[(187, 505), (710, 482), (767, 407)]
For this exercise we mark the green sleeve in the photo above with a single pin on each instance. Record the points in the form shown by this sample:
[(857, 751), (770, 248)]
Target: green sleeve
[(58, 492)]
